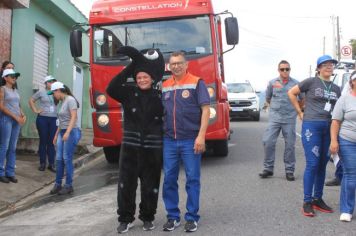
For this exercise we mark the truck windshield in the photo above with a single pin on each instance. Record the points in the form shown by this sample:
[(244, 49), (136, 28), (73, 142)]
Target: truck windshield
[(191, 35)]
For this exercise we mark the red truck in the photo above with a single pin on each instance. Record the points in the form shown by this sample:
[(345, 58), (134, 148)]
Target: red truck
[(190, 26)]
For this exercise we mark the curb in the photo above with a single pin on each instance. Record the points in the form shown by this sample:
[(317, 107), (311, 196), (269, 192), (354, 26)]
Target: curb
[(38, 194)]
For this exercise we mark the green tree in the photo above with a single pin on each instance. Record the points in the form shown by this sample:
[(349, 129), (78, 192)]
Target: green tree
[(353, 45)]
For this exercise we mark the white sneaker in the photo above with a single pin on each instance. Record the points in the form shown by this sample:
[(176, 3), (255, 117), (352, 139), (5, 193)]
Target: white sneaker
[(345, 217)]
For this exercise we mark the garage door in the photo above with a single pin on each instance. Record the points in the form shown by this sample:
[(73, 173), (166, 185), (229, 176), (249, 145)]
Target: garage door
[(40, 60)]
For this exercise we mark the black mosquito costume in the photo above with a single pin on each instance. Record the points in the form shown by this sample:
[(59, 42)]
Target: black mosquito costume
[(141, 148)]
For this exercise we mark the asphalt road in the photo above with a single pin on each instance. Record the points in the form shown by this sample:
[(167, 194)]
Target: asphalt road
[(234, 200)]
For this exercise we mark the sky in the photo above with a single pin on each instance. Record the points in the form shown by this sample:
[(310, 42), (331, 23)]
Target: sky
[(275, 30)]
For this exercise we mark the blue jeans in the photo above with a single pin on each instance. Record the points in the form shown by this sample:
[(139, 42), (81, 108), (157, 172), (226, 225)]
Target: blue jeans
[(339, 170), (46, 127), (10, 131), (175, 151), (347, 152), (316, 142), (64, 158)]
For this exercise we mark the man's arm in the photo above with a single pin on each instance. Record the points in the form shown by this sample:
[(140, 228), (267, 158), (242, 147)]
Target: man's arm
[(199, 144)]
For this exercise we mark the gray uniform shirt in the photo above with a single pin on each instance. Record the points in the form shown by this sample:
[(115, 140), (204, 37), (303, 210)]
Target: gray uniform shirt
[(281, 109), (46, 103), (12, 100), (64, 116), (345, 111), (317, 94)]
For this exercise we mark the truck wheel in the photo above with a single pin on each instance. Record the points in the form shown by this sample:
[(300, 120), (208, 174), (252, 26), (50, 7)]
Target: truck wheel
[(221, 148), (112, 154)]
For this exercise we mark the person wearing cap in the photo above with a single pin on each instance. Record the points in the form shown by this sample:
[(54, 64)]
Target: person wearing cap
[(343, 142), (45, 122), (11, 120), (66, 138), (141, 147), (321, 95), (282, 117)]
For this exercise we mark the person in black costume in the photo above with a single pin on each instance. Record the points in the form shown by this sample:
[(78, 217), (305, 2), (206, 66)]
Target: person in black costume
[(141, 148)]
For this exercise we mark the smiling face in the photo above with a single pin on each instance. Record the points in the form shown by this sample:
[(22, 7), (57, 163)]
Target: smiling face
[(10, 80), (144, 80), (178, 66), (326, 69)]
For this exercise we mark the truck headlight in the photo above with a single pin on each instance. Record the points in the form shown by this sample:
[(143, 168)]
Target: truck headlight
[(103, 120), (212, 113), (100, 100)]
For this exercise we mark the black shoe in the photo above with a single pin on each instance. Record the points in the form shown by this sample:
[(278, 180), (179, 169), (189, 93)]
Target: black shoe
[(66, 190), (42, 168), (51, 168), (290, 176), (12, 179), (320, 205), (171, 225), (124, 227), (308, 210), (265, 174), (148, 225), (5, 180), (191, 226), (55, 189), (333, 182)]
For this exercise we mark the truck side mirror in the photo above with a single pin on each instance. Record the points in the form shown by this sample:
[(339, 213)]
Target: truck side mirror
[(75, 42), (231, 31)]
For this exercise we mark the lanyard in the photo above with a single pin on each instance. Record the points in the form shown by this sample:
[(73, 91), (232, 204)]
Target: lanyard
[(327, 88)]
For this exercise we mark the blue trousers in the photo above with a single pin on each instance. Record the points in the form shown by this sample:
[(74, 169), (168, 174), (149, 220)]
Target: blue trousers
[(64, 158), (10, 131), (347, 152), (316, 142), (46, 127), (175, 152)]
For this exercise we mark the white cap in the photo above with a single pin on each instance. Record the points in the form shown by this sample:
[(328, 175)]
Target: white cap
[(57, 85), (353, 77), (48, 78), (7, 72)]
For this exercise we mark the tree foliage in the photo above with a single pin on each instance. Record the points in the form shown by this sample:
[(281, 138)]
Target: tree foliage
[(353, 45)]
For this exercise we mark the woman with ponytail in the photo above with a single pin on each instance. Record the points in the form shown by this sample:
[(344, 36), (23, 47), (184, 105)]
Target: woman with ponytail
[(66, 138)]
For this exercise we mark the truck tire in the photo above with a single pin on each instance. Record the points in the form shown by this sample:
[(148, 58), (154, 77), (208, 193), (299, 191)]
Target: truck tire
[(112, 154), (220, 148)]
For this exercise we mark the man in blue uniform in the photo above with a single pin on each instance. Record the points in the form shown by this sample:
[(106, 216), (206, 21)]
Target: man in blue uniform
[(186, 116)]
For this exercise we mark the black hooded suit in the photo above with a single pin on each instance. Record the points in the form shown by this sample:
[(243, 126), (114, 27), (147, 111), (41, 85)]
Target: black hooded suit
[(141, 148)]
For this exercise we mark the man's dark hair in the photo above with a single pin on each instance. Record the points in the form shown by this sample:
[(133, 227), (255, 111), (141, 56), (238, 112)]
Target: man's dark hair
[(178, 53), (283, 62)]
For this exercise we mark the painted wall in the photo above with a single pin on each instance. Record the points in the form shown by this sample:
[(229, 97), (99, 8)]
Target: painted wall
[(55, 21)]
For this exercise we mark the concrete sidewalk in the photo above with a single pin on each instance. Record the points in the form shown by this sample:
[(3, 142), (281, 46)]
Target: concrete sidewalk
[(31, 180)]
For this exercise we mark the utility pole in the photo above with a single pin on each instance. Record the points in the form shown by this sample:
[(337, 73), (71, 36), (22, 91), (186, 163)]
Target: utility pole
[(324, 45), (338, 38)]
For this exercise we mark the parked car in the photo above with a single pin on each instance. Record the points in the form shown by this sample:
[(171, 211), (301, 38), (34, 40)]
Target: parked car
[(243, 100), (342, 77)]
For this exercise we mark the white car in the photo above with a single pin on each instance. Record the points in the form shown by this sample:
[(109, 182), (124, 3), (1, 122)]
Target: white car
[(243, 100)]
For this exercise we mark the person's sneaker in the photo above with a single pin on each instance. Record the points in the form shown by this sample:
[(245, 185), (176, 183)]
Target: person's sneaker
[(12, 179), (308, 209), (51, 168), (333, 182), (66, 190), (290, 176), (3, 179), (55, 190), (42, 168), (320, 205), (124, 227), (148, 225), (191, 226), (265, 174), (171, 225), (345, 217)]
